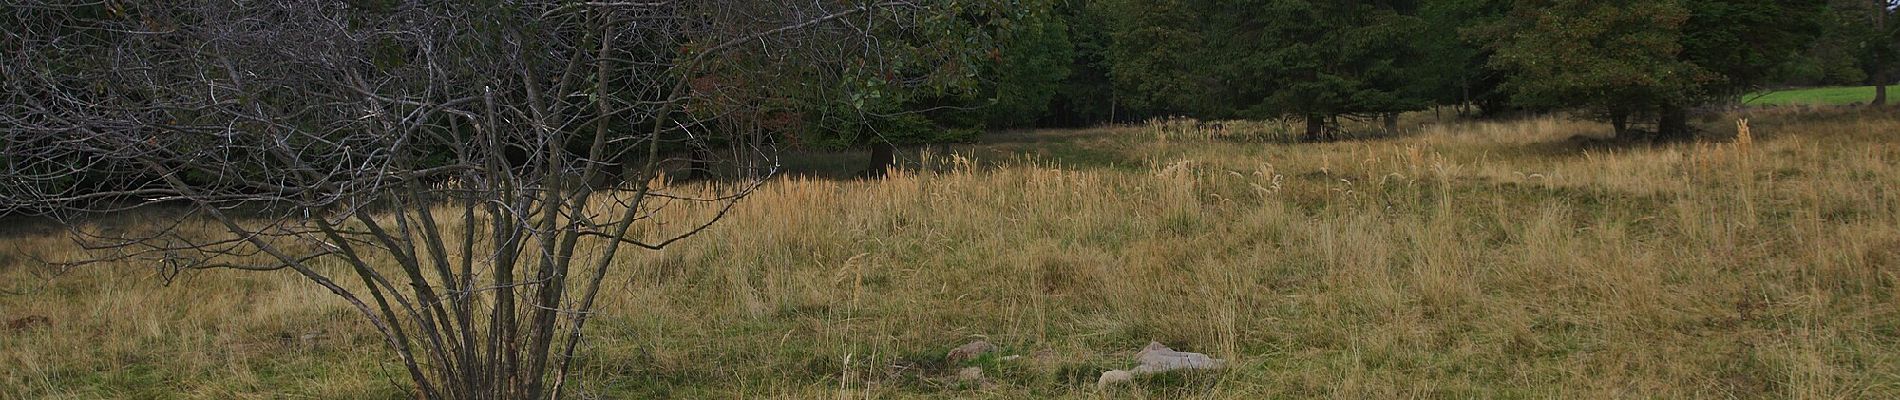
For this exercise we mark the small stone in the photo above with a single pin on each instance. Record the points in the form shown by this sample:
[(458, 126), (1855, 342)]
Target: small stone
[(1114, 377), (1159, 358), (969, 352)]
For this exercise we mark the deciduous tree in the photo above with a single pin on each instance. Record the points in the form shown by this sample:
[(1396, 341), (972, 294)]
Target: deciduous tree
[(432, 164)]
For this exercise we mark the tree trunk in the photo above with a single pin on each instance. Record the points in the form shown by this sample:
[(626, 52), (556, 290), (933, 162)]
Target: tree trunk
[(753, 166), (699, 168), (1391, 123), (1879, 75), (1620, 124), (1315, 128), (1674, 124), (609, 177), (1464, 94), (883, 156)]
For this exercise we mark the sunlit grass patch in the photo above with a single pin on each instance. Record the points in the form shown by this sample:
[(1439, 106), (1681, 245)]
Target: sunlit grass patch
[(1824, 96)]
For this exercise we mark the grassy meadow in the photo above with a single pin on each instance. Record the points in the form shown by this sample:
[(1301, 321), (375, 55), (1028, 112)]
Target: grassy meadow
[(1457, 260), (1821, 96)]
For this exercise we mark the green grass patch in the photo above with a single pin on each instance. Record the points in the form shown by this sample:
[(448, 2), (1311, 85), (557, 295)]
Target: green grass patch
[(1825, 96)]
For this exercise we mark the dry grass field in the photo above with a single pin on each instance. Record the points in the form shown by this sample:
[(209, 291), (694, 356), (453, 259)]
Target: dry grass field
[(1460, 260)]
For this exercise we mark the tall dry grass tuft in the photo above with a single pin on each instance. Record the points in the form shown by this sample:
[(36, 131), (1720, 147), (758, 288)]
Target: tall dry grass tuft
[(1743, 137), (1482, 259)]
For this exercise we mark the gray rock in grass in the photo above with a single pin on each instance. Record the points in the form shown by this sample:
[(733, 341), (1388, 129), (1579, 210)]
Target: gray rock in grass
[(1158, 358)]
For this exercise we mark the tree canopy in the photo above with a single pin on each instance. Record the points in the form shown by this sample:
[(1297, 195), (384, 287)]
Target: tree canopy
[(1640, 64)]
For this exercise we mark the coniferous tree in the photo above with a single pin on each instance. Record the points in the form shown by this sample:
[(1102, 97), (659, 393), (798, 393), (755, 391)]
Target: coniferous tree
[(1310, 60)]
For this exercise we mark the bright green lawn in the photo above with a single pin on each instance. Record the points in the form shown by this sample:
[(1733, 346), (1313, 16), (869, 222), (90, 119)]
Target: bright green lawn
[(1813, 96)]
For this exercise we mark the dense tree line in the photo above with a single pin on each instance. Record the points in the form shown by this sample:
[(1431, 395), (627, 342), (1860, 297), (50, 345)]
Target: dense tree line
[(1642, 64)]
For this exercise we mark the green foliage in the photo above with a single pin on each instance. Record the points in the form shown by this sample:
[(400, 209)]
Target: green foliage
[(1088, 96), (1452, 68), (1634, 58), (1596, 54), (1828, 61), (1032, 60), (991, 64), (1347, 63), (1155, 54), (1053, 62), (1744, 41), (1268, 59), (928, 77)]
